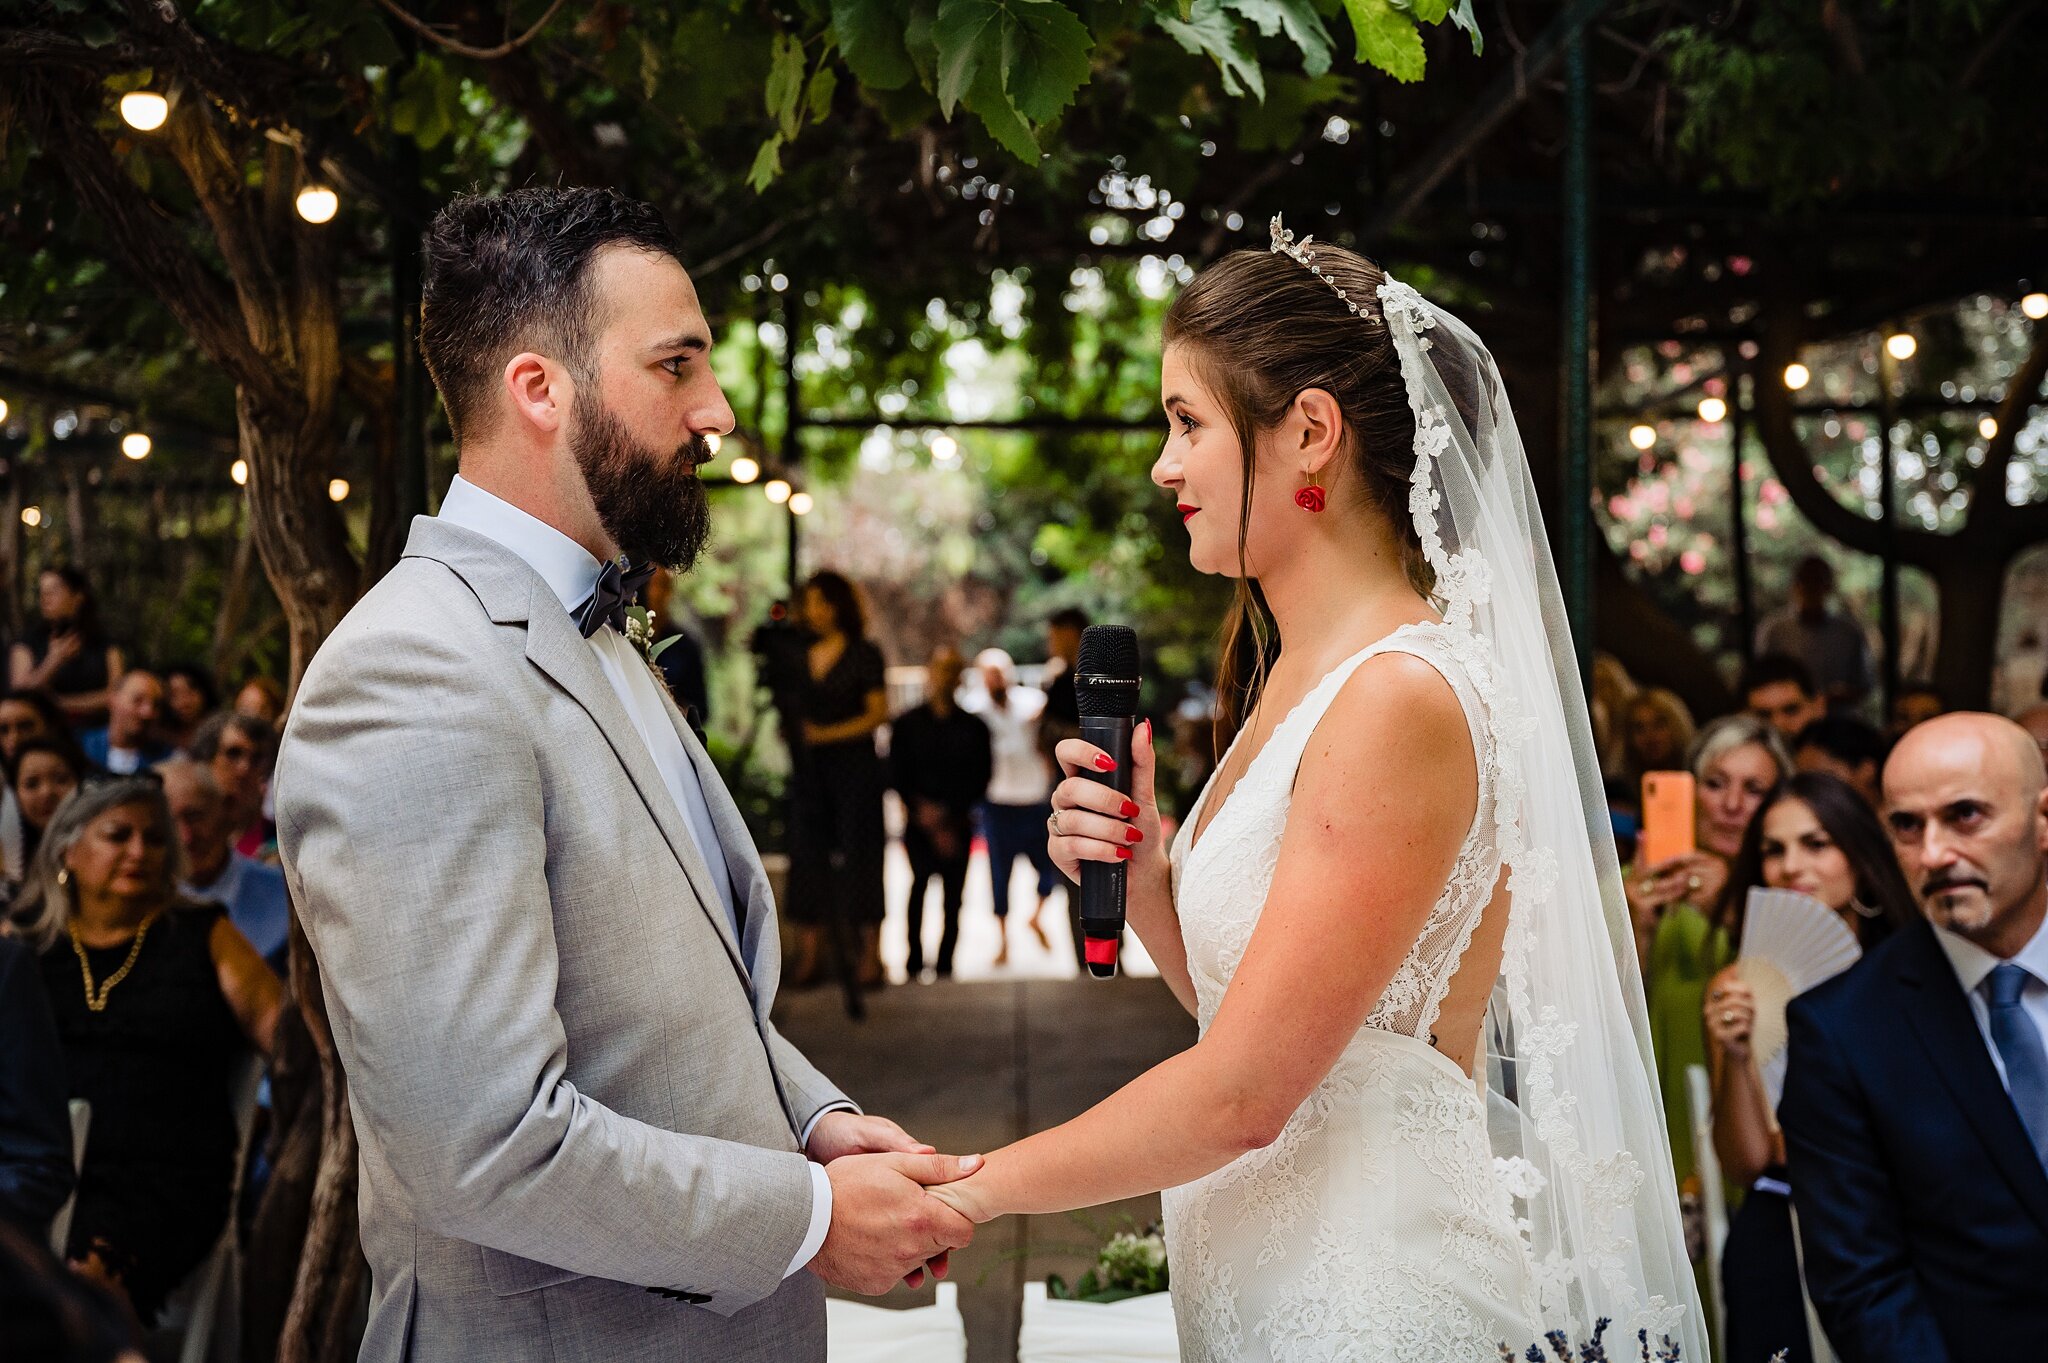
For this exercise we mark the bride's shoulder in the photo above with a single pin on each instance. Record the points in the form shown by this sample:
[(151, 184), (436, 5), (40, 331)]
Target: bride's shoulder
[(1396, 724)]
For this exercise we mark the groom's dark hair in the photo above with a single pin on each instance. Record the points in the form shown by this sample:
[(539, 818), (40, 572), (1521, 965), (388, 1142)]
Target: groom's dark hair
[(511, 272)]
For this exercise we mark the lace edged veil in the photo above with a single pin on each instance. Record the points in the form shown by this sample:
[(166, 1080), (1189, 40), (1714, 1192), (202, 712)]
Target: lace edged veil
[(1577, 1123)]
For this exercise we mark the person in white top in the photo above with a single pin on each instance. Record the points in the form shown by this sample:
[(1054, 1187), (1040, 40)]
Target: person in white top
[(1019, 793)]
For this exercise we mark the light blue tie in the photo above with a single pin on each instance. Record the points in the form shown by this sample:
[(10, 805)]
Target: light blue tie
[(2019, 1046)]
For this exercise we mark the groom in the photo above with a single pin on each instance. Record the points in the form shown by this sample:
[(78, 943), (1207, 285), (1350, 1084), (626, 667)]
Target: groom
[(547, 945)]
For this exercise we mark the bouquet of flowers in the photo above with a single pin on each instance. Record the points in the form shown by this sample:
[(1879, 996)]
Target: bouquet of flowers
[(1131, 1264)]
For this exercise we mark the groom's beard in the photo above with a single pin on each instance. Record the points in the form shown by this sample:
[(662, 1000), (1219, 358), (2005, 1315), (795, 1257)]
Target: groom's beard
[(650, 502)]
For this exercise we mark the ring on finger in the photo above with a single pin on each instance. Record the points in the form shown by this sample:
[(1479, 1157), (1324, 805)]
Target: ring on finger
[(1052, 821)]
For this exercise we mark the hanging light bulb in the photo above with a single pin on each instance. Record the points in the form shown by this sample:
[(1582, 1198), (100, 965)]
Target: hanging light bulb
[(2035, 305), (712, 441), (144, 110), (1900, 345), (3, 411), (800, 503), (317, 203), (31, 516), (1797, 376), (240, 473), (1713, 410), (135, 445), (1642, 437), (945, 449), (337, 491), (745, 470), (778, 491), (1988, 428)]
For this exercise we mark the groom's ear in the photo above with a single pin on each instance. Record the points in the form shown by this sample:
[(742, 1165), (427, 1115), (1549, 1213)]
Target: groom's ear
[(540, 391), (1317, 423)]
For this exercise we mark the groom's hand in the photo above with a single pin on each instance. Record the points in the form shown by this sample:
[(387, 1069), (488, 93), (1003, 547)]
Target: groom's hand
[(885, 1226), (839, 1134)]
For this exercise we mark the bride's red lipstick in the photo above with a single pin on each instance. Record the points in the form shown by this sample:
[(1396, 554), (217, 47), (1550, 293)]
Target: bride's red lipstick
[(1187, 513)]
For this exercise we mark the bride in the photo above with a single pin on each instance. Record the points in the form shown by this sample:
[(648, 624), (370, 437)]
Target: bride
[(1420, 1120)]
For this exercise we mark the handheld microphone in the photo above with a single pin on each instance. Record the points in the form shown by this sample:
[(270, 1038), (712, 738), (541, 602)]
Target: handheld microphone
[(1106, 690)]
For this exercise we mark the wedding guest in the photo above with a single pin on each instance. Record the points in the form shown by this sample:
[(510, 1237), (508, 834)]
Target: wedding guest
[(1780, 690), (129, 743), (1062, 719), (1608, 704), (1846, 747), (1817, 835), (681, 663), (1832, 647), (1914, 705), (1019, 793), (837, 836), (1916, 1102), (1736, 762), (215, 873), (24, 715), (261, 699), (66, 653), (35, 1119), (1657, 735), (241, 750), (939, 763), (52, 1315), (46, 771), (2035, 722), (154, 999), (189, 697)]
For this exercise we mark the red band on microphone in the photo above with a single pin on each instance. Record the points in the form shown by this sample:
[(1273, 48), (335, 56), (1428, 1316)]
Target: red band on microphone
[(1100, 950)]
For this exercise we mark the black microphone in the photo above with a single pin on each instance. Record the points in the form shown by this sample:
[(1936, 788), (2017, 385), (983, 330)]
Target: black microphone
[(1106, 690)]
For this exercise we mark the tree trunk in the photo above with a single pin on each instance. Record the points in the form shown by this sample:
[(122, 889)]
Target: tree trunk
[(1971, 593), (296, 531)]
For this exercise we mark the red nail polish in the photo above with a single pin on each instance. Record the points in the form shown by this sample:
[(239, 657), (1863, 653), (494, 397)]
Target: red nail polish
[(1133, 835), (1130, 809), (1104, 762), (1123, 854)]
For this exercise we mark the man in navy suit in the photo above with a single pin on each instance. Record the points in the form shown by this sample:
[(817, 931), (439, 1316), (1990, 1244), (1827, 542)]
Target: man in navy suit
[(1916, 1104)]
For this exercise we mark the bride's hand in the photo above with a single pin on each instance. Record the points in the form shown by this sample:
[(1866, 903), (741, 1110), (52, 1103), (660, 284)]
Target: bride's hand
[(1093, 822), (963, 1197)]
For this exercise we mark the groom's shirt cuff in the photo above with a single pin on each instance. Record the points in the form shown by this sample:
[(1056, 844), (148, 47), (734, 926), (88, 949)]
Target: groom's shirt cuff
[(821, 1197)]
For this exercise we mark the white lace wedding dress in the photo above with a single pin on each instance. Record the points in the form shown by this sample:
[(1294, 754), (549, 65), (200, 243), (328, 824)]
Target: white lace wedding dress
[(1376, 1226)]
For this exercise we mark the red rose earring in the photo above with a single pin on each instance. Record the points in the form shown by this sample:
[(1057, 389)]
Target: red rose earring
[(1310, 498)]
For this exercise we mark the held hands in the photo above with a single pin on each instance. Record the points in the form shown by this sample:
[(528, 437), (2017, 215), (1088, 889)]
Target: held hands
[(1730, 1014), (1092, 822), (886, 1227)]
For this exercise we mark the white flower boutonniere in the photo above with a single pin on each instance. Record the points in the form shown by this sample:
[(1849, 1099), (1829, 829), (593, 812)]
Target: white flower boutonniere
[(640, 634)]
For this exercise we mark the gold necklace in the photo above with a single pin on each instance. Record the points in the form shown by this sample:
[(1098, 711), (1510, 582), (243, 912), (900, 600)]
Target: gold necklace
[(96, 998)]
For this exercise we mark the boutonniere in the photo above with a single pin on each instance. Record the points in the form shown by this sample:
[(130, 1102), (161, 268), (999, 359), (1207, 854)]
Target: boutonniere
[(640, 634)]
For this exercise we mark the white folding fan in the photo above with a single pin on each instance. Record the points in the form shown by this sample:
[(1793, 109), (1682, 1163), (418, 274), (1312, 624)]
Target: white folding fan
[(1790, 943)]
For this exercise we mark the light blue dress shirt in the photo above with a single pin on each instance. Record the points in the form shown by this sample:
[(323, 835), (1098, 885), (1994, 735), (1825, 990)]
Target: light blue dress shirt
[(571, 572)]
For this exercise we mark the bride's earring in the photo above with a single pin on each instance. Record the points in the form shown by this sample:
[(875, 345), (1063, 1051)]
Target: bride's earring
[(1310, 498)]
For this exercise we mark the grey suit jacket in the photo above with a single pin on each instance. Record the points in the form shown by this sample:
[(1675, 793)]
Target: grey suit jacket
[(564, 1081)]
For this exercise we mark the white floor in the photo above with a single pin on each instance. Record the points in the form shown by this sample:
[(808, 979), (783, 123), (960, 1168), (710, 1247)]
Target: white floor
[(974, 959)]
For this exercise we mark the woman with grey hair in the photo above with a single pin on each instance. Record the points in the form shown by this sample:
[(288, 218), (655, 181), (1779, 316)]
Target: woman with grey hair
[(1736, 762), (155, 999)]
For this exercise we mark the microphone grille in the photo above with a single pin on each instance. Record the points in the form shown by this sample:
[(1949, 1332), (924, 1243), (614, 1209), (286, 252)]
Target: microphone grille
[(1106, 681)]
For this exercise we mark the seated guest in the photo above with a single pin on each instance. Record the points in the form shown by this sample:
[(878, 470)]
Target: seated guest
[(129, 743), (215, 873), (155, 999), (261, 699), (1916, 1102), (1819, 837), (241, 751), (189, 697), (1780, 691), (35, 1119), (939, 763), (46, 771), (1915, 704), (23, 715), (1844, 747)]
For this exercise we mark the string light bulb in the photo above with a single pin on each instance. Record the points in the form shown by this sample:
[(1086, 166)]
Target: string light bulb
[(317, 204), (1713, 410), (240, 473), (3, 411), (800, 503), (745, 470), (1642, 437), (1900, 345), (2035, 306), (31, 516), (1797, 376), (778, 490), (144, 110), (136, 445), (713, 441), (1988, 428), (337, 491), (945, 449)]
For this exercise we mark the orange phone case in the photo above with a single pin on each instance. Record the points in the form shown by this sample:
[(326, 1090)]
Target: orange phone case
[(1667, 817)]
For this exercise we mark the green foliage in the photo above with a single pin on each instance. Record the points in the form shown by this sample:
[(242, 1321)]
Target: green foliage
[(1131, 1264), (1387, 38)]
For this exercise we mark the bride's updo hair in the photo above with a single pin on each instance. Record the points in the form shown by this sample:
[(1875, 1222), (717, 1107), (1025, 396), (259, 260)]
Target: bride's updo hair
[(1259, 329)]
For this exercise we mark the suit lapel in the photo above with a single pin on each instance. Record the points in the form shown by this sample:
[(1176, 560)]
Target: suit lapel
[(1940, 1017), (554, 645)]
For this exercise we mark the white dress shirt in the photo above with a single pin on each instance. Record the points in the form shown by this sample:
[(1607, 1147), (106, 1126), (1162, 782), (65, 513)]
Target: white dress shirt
[(1973, 965), (1020, 774), (571, 572)]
